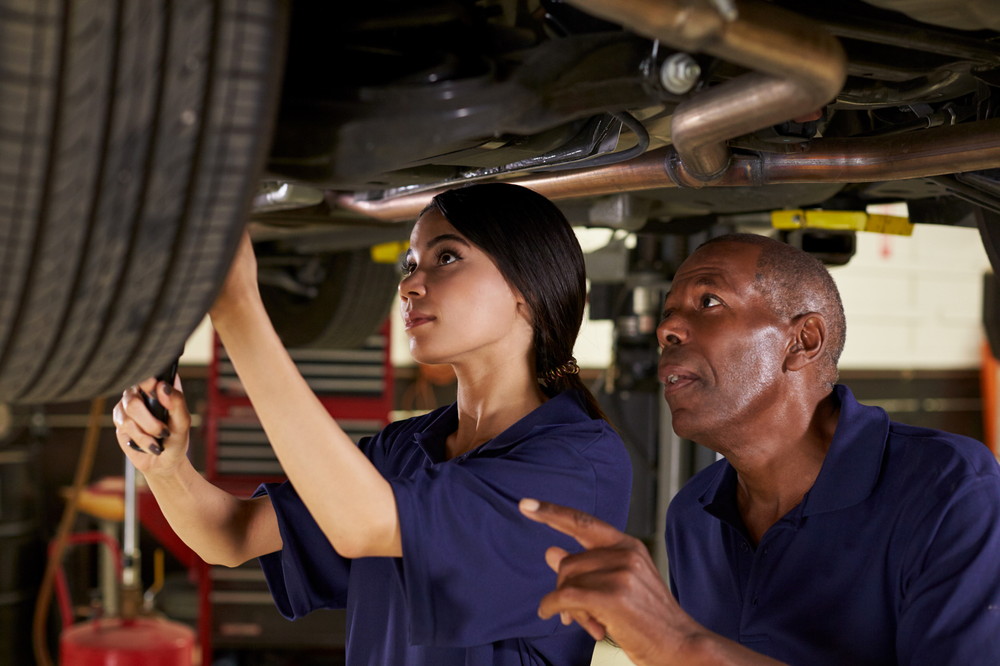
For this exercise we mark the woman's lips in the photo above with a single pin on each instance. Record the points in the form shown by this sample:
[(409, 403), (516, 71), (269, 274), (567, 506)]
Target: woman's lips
[(414, 319)]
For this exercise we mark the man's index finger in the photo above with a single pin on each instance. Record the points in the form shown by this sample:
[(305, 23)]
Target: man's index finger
[(589, 531)]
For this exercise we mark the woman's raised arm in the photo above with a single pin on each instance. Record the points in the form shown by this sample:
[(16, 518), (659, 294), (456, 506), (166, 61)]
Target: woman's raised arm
[(349, 499)]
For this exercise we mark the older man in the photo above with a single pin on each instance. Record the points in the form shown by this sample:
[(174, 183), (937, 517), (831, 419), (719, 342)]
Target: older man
[(827, 535)]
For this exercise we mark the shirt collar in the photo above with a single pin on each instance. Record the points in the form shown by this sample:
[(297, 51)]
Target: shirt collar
[(854, 461), (567, 407), (849, 472)]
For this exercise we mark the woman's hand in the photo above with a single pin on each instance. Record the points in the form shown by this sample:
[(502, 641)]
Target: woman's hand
[(240, 286), (220, 527), (137, 430)]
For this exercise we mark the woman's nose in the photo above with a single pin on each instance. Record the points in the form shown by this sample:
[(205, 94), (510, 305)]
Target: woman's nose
[(411, 285)]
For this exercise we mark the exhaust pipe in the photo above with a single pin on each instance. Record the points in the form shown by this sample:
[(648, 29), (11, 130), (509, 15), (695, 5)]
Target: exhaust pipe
[(798, 68), (921, 154)]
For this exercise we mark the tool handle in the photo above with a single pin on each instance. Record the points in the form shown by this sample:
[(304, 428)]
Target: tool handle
[(152, 404)]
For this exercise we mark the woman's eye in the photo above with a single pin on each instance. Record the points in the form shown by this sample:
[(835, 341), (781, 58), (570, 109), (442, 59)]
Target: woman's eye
[(406, 268), (709, 301), (448, 257)]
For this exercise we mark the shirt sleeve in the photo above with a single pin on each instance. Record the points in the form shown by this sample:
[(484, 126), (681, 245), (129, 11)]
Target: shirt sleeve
[(951, 595), (307, 573), (474, 567)]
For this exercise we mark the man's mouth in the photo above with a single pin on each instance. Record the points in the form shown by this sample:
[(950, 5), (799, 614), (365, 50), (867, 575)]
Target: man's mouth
[(677, 382), (676, 379)]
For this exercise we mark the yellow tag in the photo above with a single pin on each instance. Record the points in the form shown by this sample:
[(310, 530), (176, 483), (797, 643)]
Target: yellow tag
[(389, 253), (843, 220), (890, 224)]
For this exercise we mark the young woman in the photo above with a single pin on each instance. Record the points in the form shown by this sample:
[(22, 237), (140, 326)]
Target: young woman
[(416, 531)]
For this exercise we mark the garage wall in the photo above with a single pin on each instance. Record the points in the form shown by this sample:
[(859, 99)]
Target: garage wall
[(198, 348), (914, 302)]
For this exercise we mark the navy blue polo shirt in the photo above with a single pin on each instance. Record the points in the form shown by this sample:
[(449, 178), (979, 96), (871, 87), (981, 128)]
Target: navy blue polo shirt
[(467, 588), (893, 556)]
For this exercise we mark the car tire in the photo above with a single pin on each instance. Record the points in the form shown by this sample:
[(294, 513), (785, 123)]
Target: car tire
[(132, 134), (348, 305)]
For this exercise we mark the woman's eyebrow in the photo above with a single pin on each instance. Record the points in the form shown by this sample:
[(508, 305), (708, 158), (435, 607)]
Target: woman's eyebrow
[(437, 240), (443, 238)]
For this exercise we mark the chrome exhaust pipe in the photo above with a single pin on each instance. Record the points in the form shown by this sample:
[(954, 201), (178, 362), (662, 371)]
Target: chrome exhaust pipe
[(921, 154), (798, 68)]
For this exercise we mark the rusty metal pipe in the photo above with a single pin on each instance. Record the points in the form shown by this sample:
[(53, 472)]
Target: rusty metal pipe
[(644, 172), (932, 152), (798, 68)]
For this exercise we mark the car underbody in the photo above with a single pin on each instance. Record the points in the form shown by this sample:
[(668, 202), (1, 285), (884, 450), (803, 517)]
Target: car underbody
[(767, 104), (136, 139)]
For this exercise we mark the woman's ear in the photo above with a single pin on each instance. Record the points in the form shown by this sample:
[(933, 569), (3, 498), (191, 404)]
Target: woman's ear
[(522, 303), (810, 339)]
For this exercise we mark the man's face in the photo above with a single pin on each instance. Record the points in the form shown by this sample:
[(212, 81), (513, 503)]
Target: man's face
[(723, 348)]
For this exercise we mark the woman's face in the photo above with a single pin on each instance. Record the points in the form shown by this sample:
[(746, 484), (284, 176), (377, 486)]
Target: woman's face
[(456, 305)]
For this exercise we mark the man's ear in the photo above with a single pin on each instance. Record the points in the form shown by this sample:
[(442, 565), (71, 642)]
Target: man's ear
[(809, 340)]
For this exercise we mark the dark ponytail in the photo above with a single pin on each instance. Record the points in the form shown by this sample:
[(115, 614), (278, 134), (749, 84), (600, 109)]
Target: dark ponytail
[(536, 251)]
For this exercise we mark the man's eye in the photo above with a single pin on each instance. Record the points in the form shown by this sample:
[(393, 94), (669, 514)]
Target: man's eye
[(709, 301)]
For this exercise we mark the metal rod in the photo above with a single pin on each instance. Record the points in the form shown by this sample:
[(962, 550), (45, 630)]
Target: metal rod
[(130, 530)]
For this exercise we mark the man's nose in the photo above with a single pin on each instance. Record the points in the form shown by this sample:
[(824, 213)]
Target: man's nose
[(672, 330)]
